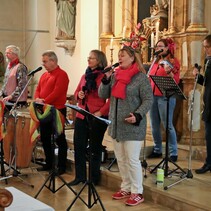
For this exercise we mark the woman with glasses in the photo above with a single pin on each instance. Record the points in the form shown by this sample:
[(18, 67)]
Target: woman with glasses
[(87, 97), (165, 65)]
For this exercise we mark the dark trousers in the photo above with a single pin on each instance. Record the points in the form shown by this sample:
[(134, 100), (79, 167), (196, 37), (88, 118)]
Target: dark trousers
[(46, 132), (208, 141), (85, 133)]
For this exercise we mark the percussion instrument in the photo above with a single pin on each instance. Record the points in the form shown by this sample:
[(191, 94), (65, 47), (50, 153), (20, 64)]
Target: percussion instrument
[(17, 133)]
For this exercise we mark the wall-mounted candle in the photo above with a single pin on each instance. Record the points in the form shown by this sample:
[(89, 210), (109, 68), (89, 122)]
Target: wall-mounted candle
[(124, 32), (157, 31), (152, 40), (111, 43)]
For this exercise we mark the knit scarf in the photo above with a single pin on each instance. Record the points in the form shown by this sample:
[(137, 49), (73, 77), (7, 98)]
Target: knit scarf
[(123, 78), (2, 131), (90, 77), (49, 114)]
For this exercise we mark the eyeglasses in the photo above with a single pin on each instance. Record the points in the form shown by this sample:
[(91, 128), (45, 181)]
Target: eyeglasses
[(7, 53), (206, 46), (90, 58), (160, 46)]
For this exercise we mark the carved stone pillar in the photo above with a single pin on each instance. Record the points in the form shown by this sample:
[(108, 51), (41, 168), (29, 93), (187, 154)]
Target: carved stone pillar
[(107, 18), (128, 16), (171, 15), (197, 16)]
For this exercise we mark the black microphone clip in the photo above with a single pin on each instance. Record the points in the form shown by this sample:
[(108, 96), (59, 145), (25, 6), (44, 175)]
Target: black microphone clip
[(110, 68), (198, 67), (158, 52)]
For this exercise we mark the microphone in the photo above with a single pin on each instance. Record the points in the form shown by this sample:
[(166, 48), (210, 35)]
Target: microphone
[(84, 89), (157, 52), (197, 66), (34, 71), (110, 68)]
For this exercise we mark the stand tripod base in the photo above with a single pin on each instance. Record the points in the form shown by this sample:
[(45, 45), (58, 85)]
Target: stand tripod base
[(111, 164), (188, 175), (15, 173), (92, 193), (144, 166), (165, 162), (52, 185)]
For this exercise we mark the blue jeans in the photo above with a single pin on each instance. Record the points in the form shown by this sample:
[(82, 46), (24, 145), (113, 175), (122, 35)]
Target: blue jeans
[(208, 141), (158, 113)]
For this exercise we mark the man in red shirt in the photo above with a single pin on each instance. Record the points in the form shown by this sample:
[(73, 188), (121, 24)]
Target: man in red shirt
[(52, 90)]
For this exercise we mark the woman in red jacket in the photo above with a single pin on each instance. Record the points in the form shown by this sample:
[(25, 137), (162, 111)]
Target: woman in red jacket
[(165, 65), (86, 94)]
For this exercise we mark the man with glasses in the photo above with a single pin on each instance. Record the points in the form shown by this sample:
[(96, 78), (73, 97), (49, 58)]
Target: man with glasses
[(205, 81), (15, 78)]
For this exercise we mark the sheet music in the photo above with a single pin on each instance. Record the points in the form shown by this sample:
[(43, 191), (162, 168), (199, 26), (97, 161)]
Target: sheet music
[(168, 86), (84, 112)]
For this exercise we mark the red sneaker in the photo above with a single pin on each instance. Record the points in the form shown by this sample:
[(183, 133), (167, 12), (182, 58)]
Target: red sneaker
[(121, 194), (134, 199)]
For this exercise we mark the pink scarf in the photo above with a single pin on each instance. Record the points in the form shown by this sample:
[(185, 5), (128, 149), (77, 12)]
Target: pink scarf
[(123, 77)]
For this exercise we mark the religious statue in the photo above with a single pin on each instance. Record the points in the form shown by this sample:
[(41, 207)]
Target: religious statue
[(65, 19), (160, 8)]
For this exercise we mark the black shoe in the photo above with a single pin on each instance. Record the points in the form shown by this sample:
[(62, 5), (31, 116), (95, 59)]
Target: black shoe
[(44, 168), (76, 182), (203, 169), (173, 158), (155, 155)]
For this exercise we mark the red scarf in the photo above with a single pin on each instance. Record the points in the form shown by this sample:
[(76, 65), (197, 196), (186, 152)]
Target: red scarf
[(13, 63), (123, 77)]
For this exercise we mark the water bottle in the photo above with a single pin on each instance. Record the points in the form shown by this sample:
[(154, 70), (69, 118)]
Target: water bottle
[(160, 178)]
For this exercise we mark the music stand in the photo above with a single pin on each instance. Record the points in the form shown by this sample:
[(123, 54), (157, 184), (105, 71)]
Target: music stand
[(91, 188), (53, 174), (168, 88)]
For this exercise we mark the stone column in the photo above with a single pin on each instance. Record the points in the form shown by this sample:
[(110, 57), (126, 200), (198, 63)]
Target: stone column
[(128, 17), (107, 18), (197, 16), (171, 15)]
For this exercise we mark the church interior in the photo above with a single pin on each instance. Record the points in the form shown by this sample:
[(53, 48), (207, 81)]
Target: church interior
[(32, 25)]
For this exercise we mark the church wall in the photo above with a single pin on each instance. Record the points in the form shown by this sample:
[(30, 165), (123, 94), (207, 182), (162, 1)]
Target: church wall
[(87, 38), (12, 24), (33, 28)]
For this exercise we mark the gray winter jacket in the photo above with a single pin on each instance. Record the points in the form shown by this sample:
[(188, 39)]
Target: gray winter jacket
[(138, 99)]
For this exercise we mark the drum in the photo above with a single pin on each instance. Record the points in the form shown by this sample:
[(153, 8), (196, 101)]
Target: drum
[(24, 147)]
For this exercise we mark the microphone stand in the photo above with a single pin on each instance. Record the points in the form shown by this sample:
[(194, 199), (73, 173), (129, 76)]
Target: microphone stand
[(144, 162), (13, 112), (153, 62), (189, 173)]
